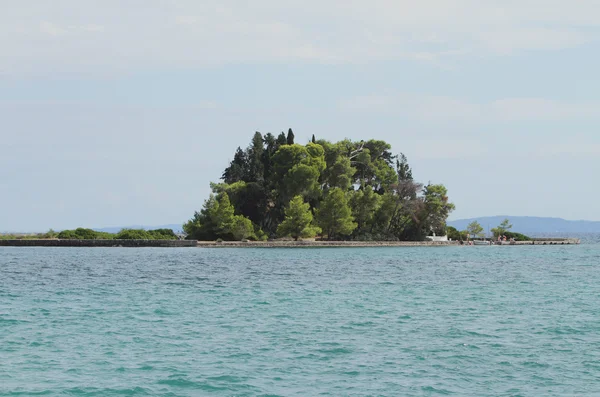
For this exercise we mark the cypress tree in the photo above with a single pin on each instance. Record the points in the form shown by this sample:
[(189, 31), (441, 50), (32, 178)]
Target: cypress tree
[(290, 137)]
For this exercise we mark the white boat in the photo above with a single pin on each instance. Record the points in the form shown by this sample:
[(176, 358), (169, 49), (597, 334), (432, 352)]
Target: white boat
[(481, 242)]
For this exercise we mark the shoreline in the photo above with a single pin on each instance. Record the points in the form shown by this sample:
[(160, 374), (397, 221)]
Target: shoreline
[(366, 244), (262, 244)]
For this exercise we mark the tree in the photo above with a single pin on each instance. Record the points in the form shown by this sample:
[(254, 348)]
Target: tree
[(238, 168), (335, 216), (254, 156), (454, 234), (436, 208), (290, 137), (475, 229), (298, 221), (364, 203), (241, 228), (502, 229), (297, 169), (282, 139), (262, 180)]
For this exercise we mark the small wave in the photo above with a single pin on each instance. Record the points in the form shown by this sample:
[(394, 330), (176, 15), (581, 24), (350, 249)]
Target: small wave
[(90, 391), (188, 384), (431, 389)]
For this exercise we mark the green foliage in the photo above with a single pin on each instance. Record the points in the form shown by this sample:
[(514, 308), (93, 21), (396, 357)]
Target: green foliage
[(335, 216), (377, 186), (455, 235), (83, 234), (290, 137), (365, 204), (298, 221), (517, 236), (133, 234), (474, 229), (218, 220), (124, 234), (502, 229), (241, 228)]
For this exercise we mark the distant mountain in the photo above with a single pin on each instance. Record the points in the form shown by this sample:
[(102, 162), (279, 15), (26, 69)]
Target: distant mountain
[(175, 227), (531, 224)]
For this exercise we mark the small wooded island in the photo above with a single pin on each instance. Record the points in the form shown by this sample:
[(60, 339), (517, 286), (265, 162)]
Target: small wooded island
[(346, 190), (345, 193)]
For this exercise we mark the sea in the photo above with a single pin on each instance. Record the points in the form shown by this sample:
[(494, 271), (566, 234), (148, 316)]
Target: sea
[(401, 321)]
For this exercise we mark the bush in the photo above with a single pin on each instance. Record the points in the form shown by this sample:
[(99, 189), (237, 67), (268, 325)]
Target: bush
[(80, 234), (67, 235), (163, 234), (517, 236), (133, 234)]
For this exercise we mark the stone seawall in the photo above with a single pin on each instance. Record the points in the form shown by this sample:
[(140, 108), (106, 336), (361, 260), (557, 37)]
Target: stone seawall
[(363, 244), (97, 243), (324, 244)]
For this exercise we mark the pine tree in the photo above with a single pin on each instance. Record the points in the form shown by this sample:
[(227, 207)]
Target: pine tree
[(335, 216), (298, 220)]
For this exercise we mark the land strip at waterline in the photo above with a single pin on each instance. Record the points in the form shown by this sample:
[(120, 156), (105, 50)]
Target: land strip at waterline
[(261, 244)]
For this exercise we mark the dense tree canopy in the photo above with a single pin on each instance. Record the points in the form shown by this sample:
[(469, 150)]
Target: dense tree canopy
[(353, 190)]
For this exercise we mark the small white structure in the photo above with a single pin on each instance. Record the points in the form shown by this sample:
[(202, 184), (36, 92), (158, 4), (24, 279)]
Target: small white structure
[(436, 238)]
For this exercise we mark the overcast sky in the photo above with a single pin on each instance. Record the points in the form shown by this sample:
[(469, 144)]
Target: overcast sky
[(117, 113)]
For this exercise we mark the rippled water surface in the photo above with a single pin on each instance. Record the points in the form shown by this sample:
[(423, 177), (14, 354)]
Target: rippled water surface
[(465, 321)]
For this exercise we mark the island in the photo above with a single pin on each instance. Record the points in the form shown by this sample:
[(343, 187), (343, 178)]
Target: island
[(279, 193), (334, 191)]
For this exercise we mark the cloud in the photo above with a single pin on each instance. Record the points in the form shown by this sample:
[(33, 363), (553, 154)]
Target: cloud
[(189, 33), (51, 29), (568, 148), (443, 109), (446, 149)]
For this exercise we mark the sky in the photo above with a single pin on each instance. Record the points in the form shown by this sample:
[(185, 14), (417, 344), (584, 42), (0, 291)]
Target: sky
[(118, 113)]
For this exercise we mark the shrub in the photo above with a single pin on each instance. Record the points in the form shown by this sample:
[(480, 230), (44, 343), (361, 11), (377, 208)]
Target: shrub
[(133, 234)]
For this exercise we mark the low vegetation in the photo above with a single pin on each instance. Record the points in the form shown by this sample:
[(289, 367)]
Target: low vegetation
[(89, 234), (475, 230)]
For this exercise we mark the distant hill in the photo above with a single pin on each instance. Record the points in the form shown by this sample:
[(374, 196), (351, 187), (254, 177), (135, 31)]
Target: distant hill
[(531, 224), (175, 227)]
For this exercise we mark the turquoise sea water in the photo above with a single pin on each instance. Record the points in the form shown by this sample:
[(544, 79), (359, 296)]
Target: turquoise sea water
[(464, 321)]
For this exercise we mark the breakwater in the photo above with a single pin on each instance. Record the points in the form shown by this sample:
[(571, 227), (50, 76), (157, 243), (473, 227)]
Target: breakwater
[(96, 243), (363, 244), (260, 244)]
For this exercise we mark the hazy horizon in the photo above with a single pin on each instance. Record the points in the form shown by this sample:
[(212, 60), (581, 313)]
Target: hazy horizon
[(117, 114)]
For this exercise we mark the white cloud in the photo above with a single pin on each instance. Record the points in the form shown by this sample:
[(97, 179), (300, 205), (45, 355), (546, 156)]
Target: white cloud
[(446, 149), (443, 109), (189, 33), (568, 148), (51, 29)]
